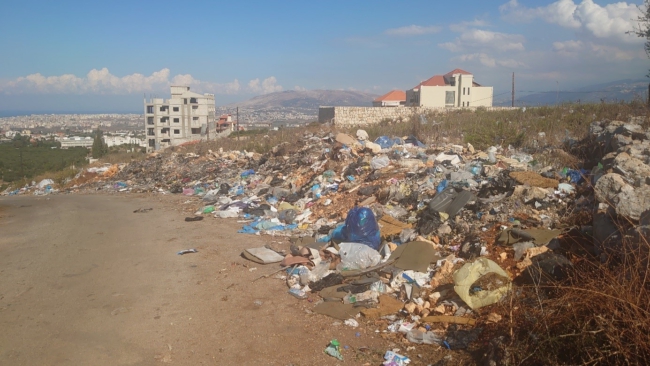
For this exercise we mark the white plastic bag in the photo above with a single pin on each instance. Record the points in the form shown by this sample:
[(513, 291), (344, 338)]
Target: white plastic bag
[(379, 162), (357, 256)]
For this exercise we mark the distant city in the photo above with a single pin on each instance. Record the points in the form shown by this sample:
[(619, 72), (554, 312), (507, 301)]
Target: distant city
[(130, 127)]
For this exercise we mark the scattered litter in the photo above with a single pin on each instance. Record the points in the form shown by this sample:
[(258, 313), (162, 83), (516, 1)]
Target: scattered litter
[(187, 251), (195, 218), (142, 210), (333, 349)]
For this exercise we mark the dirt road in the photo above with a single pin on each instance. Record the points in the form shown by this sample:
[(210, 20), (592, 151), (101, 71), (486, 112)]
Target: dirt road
[(85, 281)]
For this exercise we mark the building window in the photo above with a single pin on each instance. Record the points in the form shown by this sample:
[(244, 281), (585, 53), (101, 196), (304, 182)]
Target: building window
[(468, 104), (468, 89), (193, 100), (150, 132), (195, 118), (152, 142), (463, 91), (196, 131), (450, 98), (164, 119), (164, 108), (149, 120), (195, 107), (185, 101), (149, 109), (177, 132), (175, 109), (176, 120)]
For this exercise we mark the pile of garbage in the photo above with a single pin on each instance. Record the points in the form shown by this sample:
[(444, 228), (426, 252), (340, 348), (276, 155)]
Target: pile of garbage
[(44, 187), (419, 238)]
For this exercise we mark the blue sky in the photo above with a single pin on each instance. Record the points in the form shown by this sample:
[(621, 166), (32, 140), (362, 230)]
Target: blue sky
[(104, 56)]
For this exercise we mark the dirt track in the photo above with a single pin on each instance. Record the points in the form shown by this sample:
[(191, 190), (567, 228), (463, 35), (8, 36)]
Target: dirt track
[(85, 281)]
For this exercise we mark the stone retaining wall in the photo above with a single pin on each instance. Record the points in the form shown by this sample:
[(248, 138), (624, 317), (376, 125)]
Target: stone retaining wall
[(359, 116)]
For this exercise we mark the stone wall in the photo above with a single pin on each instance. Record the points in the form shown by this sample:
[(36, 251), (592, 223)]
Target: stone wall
[(359, 116)]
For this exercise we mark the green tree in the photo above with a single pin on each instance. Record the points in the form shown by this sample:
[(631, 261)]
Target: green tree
[(99, 148)]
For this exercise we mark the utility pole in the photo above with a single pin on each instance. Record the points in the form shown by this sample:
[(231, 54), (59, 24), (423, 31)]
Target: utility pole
[(237, 123), (513, 89)]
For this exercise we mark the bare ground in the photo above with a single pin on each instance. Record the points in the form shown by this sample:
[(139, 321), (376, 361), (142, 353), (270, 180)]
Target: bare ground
[(85, 281)]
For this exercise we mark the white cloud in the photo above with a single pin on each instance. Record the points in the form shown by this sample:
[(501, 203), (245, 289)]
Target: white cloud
[(299, 88), (459, 27), (567, 47), (101, 81), (268, 85), (413, 30), (613, 53), (601, 51), (489, 61), (611, 21), (472, 39)]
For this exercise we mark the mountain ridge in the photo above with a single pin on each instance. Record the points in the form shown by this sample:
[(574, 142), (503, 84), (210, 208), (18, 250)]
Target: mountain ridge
[(618, 90), (307, 99)]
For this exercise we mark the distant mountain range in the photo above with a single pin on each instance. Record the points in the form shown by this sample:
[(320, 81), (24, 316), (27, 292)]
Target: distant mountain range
[(620, 90), (294, 106), (307, 99)]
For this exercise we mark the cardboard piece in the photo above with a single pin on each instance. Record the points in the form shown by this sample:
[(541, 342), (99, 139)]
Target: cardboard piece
[(387, 305), (390, 226), (262, 255), (416, 255), (539, 236), (448, 319)]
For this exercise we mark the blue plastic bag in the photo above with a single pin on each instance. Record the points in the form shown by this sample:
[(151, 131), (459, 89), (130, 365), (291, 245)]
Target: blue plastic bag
[(360, 227), (441, 186), (247, 173), (385, 142)]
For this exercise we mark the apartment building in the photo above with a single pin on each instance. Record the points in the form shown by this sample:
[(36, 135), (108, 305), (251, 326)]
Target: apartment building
[(186, 116), (456, 88)]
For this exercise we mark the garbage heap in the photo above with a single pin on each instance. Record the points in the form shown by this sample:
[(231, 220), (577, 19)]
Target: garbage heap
[(420, 239)]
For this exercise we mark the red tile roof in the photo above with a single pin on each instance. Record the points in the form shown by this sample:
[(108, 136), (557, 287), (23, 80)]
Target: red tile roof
[(443, 80), (458, 71), (393, 95), (435, 80)]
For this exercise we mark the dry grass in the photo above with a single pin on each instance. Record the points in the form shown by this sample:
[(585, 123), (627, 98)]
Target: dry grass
[(255, 141), (599, 315), (518, 128), (121, 157)]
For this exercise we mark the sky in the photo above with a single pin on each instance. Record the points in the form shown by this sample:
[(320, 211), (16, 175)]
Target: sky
[(88, 56)]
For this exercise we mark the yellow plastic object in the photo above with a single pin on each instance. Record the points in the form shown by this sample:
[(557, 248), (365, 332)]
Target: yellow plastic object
[(471, 272)]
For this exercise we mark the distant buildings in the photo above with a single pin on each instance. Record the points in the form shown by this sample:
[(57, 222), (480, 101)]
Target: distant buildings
[(456, 88), (122, 140), (393, 98), (225, 123), (187, 116), (76, 141)]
